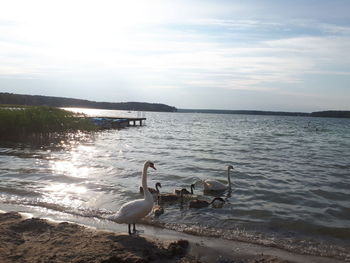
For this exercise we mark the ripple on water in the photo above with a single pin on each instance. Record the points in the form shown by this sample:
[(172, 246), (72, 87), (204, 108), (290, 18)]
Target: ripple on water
[(290, 182), (331, 194)]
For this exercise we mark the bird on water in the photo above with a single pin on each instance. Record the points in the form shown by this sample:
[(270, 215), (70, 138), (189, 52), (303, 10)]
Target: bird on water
[(157, 208), (186, 192), (131, 212), (217, 202), (213, 185), (152, 190)]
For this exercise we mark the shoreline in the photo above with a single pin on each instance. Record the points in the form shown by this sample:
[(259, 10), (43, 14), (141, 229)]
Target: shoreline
[(163, 245)]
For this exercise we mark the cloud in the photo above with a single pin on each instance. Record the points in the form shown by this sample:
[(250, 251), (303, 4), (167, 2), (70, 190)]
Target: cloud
[(195, 59), (324, 53), (212, 45)]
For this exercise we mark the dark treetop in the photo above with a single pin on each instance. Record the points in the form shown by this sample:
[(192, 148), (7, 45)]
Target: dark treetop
[(17, 99)]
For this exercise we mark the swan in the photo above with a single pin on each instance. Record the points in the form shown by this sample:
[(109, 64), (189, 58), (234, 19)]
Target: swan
[(152, 190), (217, 202), (169, 197), (132, 211), (213, 185), (185, 191), (157, 209)]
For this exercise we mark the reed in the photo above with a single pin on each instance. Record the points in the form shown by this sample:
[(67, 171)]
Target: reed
[(20, 122)]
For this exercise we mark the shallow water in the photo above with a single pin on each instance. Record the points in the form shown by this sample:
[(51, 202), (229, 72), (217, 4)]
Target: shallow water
[(290, 183)]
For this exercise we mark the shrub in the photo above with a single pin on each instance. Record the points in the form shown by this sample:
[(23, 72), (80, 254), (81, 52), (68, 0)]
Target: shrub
[(19, 122)]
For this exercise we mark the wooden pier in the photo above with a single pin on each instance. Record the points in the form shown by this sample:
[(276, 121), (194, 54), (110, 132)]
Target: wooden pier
[(132, 121), (116, 122)]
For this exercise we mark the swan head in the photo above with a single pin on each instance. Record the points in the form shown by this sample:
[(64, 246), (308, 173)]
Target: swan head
[(158, 210), (229, 167), (150, 164)]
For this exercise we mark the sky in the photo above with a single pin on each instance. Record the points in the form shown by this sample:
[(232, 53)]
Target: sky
[(192, 54)]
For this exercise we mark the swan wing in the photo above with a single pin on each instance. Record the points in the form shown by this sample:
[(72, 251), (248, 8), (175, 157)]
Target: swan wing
[(132, 211), (213, 185)]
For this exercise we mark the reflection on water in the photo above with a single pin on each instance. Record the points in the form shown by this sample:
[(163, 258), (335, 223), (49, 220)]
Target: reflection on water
[(290, 181), (75, 163), (65, 195)]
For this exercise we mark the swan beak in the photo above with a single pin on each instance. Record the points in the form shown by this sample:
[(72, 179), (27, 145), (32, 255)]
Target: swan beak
[(152, 166)]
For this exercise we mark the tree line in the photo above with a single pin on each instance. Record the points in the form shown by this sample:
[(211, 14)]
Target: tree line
[(36, 100)]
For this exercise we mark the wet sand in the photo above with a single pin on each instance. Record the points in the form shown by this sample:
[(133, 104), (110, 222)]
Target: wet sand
[(38, 240)]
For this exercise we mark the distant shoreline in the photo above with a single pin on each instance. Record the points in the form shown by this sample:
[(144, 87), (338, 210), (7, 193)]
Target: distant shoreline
[(61, 102), (325, 114)]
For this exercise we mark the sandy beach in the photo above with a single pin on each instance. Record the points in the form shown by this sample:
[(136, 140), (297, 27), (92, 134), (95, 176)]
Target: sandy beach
[(38, 240)]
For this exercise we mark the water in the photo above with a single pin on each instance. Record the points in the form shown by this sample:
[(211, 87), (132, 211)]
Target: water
[(290, 183)]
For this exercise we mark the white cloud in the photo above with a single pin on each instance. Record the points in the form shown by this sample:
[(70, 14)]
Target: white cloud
[(324, 53), (147, 43)]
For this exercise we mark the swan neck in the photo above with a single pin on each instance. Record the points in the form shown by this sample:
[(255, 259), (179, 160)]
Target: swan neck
[(146, 192), (158, 199), (228, 177)]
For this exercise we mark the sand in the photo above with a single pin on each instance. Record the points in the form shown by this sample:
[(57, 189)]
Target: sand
[(38, 240)]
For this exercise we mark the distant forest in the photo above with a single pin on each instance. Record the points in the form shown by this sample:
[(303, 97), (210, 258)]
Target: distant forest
[(330, 114), (35, 100)]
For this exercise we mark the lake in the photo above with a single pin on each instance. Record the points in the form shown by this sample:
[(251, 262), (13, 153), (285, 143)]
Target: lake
[(291, 176)]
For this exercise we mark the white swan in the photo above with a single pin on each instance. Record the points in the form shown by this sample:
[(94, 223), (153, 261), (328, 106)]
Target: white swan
[(132, 211), (213, 185)]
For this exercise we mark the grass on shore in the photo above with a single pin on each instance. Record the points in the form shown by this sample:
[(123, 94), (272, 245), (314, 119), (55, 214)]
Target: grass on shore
[(21, 122)]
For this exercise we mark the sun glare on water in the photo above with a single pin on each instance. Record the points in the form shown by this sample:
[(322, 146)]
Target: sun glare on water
[(65, 195), (74, 164), (69, 168), (66, 189)]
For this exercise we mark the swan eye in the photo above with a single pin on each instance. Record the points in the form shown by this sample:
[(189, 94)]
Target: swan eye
[(152, 165)]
